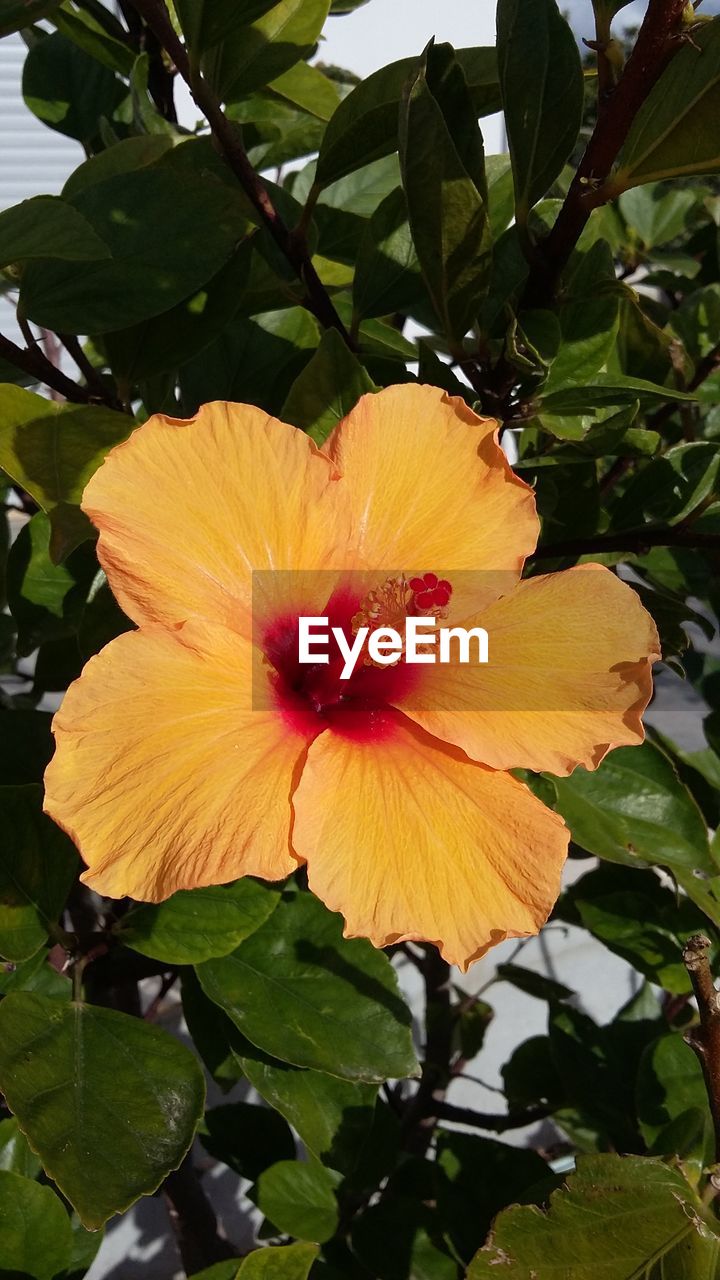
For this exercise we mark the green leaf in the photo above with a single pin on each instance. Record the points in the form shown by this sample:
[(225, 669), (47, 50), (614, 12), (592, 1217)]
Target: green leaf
[(670, 1082), (47, 227), (674, 133), (198, 924), (87, 33), (247, 1138), (255, 360), (364, 127), (637, 918), (122, 157), (302, 993), (482, 1176), (67, 89), (657, 213), (45, 599), (15, 1153), (442, 162), (543, 94), (291, 1262), (634, 809), (38, 864), (306, 87), (333, 1117), (606, 389), (668, 489), (387, 272), (206, 22), (249, 57), (165, 342), (109, 1102), (36, 974), (588, 317), (16, 14), (298, 1198), (51, 451), (35, 1234), (329, 386), (168, 237), (616, 1216)]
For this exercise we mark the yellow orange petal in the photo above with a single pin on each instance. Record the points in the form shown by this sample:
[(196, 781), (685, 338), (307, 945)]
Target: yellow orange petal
[(187, 509), (568, 676), (164, 775), (429, 487), (410, 840)]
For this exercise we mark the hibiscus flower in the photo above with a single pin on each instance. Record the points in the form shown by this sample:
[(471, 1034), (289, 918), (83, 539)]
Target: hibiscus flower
[(196, 749)]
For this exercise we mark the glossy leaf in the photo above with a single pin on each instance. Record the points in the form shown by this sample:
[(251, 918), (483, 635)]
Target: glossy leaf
[(103, 43), (670, 488), (674, 133), (635, 809), (637, 918), (206, 22), (302, 993), (298, 1199), (329, 386), (35, 1235), (67, 89), (52, 450), (249, 57), (291, 1262), (167, 239), (333, 1117), (670, 1084), (73, 1117), (543, 93), (606, 389), (38, 864), (254, 360), (45, 599), (47, 227), (442, 162), (123, 157), (621, 1213), (15, 1153), (197, 924), (364, 127)]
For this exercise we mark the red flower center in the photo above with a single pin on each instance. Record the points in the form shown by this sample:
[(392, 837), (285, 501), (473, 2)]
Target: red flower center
[(313, 696)]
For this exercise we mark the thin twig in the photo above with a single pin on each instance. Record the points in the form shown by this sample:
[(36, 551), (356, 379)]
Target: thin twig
[(228, 138), (194, 1221), (496, 1123), (92, 377), (421, 1114), (705, 1038), (32, 361)]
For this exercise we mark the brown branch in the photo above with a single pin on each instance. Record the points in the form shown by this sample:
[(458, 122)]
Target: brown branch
[(229, 141), (193, 1219), (499, 1123), (422, 1112), (92, 377), (658, 39), (705, 1038), (635, 541), (32, 361)]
